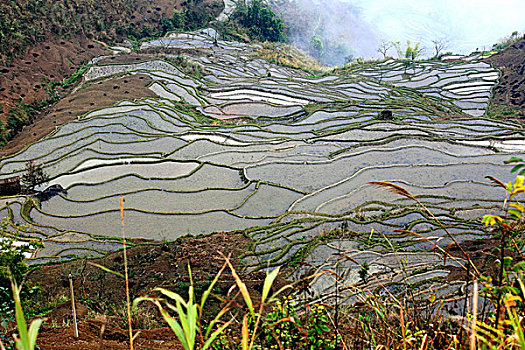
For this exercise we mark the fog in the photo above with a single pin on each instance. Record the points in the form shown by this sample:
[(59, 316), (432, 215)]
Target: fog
[(465, 24), (357, 27)]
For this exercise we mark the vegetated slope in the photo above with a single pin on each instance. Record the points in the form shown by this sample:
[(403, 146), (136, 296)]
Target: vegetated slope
[(25, 79), (150, 266), (511, 89), (42, 41)]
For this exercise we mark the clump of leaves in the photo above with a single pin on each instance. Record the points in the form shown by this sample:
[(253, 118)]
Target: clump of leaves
[(506, 290), (12, 265), (187, 324), (284, 328)]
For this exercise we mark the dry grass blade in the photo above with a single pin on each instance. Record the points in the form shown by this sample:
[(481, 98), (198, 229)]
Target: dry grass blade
[(103, 268), (101, 337), (496, 181), (474, 317), (245, 332), (388, 186), (347, 258), (402, 192), (445, 252), (424, 342), (242, 287), (402, 322)]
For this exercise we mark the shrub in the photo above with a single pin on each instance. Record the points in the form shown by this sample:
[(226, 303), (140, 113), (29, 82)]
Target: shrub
[(260, 22)]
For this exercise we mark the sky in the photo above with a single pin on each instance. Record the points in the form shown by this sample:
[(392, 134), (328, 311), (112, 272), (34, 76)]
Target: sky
[(465, 24)]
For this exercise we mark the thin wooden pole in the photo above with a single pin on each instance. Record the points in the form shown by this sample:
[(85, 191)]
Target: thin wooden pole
[(474, 317), (121, 202), (73, 309)]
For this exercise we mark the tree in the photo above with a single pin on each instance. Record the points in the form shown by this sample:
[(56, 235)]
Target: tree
[(317, 46), (440, 45), (349, 58), (11, 258), (34, 175), (384, 47), (411, 52), (259, 21)]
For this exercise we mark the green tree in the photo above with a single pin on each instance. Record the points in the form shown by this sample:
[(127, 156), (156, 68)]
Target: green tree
[(316, 45), (260, 22), (410, 52), (11, 264), (34, 175)]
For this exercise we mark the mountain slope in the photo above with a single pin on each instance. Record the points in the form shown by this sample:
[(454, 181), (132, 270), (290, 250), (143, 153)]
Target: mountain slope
[(46, 40), (511, 89)]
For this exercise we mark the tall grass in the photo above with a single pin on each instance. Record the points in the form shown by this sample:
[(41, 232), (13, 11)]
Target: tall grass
[(188, 323)]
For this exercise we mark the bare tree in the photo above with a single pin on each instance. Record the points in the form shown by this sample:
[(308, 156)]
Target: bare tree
[(440, 45), (384, 47)]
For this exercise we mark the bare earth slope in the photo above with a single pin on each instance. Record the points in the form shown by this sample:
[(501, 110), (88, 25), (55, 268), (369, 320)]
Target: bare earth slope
[(511, 89)]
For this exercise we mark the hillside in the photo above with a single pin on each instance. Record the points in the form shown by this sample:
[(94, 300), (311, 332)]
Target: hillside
[(229, 141), (216, 136), (511, 88), (44, 42)]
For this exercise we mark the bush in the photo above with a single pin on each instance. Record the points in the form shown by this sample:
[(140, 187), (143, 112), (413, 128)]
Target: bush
[(259, 21)]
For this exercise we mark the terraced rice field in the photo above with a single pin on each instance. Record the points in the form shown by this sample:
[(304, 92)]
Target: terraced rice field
[(284, 156)]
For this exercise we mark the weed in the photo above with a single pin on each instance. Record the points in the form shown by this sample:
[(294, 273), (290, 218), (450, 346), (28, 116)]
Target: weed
[(188, 326), (26, 338), (363, 272), (187, 66)]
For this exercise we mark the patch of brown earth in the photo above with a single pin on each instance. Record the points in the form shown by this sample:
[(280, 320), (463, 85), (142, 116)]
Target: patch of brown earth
[(55, 59), (149, 265), (95, 335), (484, 254), (97, 95), (511, 88)]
